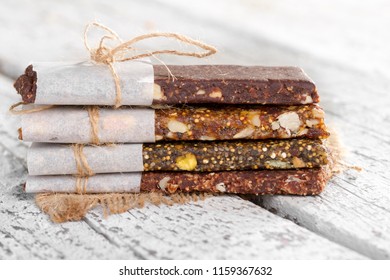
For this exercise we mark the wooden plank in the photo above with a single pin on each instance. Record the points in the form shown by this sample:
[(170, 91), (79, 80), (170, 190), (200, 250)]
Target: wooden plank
[(234, 51), (340, 32), (218, 228)]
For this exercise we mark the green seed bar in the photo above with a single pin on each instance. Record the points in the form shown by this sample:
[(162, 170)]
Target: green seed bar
[(244, 155)]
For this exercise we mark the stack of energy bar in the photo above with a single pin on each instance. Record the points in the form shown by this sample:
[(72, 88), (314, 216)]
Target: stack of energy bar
[(213, 128)]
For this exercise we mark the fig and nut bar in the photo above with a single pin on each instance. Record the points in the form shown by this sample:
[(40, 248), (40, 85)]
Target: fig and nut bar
[(297, 182)]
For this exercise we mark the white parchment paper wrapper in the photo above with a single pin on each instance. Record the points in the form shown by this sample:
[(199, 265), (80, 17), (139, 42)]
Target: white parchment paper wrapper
[(86, 83), (57, 159), (71, 124), (101, 183)]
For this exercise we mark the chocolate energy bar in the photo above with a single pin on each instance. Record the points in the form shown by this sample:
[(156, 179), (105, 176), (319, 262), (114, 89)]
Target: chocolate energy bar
[(72, 124), (55, 159), (192, 84), (298, 182)]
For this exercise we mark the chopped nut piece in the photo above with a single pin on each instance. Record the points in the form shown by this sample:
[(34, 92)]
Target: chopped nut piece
[(298, 163), (277, 164), (221, 187), (206, 138), (163, 183), (216, 94), (244, 133), (302, 132), (307, 100), (157, 93), (311, 123), (187, 162), (255, 120), (176, 126), (275, 125), (291, 178), (200, 92), (318, 113), (290, 121)]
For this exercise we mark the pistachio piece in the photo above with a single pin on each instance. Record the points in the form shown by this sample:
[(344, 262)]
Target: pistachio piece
[(186, 162)]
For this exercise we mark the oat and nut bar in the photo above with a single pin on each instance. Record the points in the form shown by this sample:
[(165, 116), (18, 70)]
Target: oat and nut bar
[(226, 123)]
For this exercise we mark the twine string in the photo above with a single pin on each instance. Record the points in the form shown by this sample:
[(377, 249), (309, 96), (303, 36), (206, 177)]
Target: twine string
[(84, 171), (105, 54), (93, 114)]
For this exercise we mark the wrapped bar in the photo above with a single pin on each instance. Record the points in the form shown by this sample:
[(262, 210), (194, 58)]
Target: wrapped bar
[(72, 124), (297, 182), (65, 84), (54, 159)]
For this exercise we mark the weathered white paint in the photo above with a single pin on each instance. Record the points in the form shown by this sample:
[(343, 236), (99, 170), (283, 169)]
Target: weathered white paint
[(353, 210)]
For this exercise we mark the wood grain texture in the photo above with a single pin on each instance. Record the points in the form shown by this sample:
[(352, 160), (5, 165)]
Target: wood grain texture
[(353, 211)]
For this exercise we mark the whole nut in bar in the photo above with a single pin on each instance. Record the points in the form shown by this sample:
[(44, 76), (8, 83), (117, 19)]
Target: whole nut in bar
[(176, 126)]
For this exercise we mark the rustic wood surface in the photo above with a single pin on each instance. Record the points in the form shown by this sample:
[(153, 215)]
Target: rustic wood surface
[(344, 52)]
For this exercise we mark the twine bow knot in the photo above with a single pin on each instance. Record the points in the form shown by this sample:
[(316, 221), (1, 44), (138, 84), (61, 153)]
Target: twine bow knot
[(124, 51)]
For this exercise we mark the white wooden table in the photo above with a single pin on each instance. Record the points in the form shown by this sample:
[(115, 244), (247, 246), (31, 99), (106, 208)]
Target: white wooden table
[(342, 45)]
